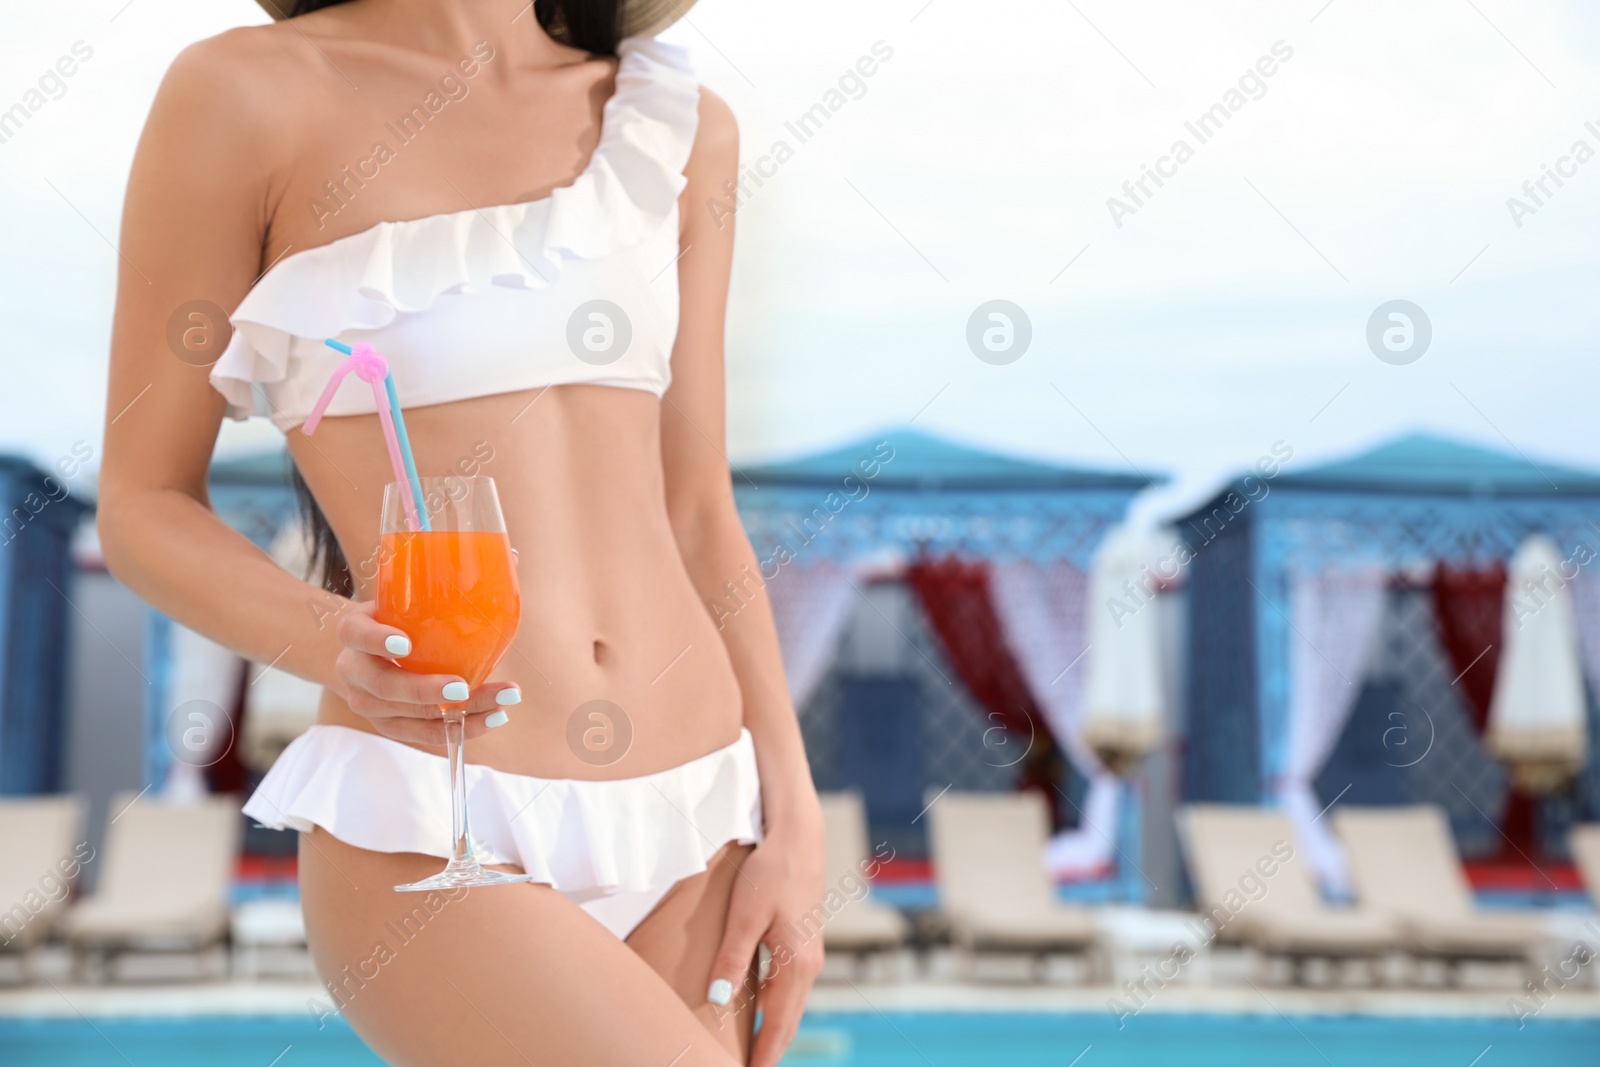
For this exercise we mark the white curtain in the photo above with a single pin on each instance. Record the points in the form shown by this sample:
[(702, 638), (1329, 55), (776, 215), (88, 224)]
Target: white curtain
[(198, 721), (279, 706), (1334, 615), (1043, 611), (810, 606)]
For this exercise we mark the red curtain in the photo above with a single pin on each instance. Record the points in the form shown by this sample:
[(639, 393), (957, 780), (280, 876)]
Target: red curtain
[(955, 596), (228, 773), (1468, 607)]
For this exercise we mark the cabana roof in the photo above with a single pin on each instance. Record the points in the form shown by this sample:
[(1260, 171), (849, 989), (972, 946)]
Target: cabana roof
[(20, 477), (1424, 463), (929, 495), (922, 461)]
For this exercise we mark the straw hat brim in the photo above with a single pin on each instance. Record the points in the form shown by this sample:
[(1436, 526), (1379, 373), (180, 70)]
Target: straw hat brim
[(640, 18)]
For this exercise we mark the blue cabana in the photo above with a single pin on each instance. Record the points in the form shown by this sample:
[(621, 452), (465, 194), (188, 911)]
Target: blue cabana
[(944, 535), (1407, 508), (36, 529), (928, 493)]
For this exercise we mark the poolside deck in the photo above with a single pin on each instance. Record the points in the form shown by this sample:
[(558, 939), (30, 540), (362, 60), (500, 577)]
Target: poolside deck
[(258, 998)]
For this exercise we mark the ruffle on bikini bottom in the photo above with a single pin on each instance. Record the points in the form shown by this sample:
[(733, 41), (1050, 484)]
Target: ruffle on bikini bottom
[(587, 839)]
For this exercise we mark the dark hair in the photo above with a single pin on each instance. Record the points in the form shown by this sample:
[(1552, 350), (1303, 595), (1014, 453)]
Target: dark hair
[(327, 562), (592, 25)]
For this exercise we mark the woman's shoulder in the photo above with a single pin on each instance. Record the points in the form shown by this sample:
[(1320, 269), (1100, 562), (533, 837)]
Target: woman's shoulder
[(255, 77), (717, 127), (716, 140), (247, 56)]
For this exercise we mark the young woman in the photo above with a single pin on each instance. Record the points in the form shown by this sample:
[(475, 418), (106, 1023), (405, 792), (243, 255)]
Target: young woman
[(512, 204)]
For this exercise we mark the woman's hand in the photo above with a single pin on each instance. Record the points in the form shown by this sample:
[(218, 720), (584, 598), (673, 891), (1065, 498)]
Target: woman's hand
[(403, 705), (777, 900)]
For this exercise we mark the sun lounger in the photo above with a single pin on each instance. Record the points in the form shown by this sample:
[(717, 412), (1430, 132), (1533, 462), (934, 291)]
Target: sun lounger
[(269, 940), (41, 852), (1251, 888), (1571, 929), (164, 884), (988, 853), (862, 924), (1403, 860), (1585, 842)]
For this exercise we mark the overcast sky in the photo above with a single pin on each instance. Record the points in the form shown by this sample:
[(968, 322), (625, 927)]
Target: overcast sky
[(1227, 310)]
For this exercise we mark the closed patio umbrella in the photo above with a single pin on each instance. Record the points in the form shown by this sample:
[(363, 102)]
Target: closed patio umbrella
[(1123, 707), (1536, 718)]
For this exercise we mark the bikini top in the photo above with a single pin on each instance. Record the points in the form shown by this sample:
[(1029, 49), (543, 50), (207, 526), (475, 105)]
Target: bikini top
[(577, 287)]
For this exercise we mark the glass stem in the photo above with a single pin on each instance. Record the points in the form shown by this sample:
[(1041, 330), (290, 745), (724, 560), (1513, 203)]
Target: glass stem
[(455, 731)]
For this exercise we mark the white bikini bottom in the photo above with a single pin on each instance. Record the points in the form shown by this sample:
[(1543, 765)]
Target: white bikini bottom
[(615, 848)]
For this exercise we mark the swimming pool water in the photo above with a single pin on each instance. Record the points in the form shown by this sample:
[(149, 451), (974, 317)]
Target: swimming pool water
[(894, 1039)]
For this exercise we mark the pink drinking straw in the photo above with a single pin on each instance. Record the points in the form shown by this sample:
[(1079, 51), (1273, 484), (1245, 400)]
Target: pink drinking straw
[(374, 370)]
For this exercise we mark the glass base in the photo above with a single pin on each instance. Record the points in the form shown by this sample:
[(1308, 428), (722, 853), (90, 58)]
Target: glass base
[(465, 875)]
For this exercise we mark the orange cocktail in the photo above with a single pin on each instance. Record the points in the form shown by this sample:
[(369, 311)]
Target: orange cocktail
[(447, 579), (454, 593)]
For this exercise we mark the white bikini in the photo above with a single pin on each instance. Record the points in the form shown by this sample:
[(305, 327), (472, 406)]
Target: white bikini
[(578, 287)]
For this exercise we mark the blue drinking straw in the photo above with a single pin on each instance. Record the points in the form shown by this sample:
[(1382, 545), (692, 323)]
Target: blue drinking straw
[(401, 437)]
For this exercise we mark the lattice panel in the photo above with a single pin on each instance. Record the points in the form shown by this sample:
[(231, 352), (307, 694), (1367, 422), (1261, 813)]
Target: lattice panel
[(1411, 740), (1313, 529), (1038, 526), (1220, 756), (957, 749)]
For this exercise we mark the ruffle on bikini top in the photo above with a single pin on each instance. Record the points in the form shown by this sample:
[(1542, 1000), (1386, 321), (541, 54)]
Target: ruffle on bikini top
[(625, 195)]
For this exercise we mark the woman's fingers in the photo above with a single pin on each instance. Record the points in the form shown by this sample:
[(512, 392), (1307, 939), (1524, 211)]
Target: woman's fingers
[(376, 683), (486, 710), (402, 704), (731, 967), (782, 1001), (360, 631), (380, 689), (430, 731)]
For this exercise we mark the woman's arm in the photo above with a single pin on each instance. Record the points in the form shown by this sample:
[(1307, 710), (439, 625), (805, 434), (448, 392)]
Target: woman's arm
[(716, 550), (200, 194), (192, 232)]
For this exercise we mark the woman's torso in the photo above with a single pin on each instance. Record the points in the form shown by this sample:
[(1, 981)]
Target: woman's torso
[(609, 612)]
